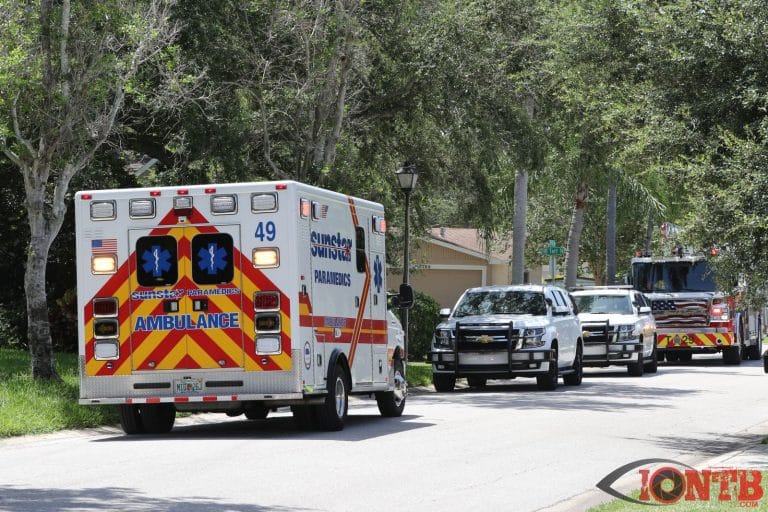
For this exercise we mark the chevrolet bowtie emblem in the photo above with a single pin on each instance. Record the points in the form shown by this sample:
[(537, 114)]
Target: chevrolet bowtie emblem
[(484, 339)]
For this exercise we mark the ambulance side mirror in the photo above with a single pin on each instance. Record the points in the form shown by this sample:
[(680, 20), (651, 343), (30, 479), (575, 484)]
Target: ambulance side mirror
[(404, 298)]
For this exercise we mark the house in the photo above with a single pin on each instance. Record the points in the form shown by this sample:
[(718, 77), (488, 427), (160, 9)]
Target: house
[(449, 260)]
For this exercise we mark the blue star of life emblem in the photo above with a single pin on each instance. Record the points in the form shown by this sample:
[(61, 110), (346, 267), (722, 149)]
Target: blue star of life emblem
[(156, 261), (378, 279), (212, 259)]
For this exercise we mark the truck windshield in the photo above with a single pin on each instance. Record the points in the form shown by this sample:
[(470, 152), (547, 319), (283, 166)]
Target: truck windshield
[(501, 303), (618, 304), (673, 276)]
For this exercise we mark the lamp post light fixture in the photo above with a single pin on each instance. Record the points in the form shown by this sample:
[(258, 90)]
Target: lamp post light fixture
[(407, 177)]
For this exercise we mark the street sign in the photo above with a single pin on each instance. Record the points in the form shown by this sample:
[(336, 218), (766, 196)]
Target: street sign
[(553, 250)]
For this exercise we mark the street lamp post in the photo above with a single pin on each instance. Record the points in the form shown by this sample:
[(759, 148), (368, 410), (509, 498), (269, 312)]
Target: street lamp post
[(407, 177)]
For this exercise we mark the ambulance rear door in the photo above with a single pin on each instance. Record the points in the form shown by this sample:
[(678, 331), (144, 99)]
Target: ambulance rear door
[(186, 299)]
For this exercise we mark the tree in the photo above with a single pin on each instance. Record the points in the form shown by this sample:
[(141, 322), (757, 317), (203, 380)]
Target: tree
[(66, 70)]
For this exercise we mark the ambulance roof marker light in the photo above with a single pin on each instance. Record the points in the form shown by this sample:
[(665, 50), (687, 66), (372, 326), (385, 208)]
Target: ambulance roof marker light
[(182, 192), (86, 197), (154, 193), (281, 186), (210, 190)]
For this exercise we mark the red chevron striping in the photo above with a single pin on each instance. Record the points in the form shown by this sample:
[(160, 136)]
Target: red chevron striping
[(167, 344), (187, 363)]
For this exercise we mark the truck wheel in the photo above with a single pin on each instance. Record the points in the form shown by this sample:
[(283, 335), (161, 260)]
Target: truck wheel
[(157, 418), (731, 355), (444, 383), (574, 379), (330, 415), (392, 403), (130, 420), (652, 366), (686, 355), (673, 356), (636, 369), (753, 352), (477, 382), (659, 355), (548, 382)]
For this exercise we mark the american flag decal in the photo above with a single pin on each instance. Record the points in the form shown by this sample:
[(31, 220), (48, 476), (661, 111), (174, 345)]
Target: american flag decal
[(104, 246), (681, 312)]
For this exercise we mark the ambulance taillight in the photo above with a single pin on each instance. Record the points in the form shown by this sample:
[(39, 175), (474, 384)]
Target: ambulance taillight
[(266, 307), (106, 328)]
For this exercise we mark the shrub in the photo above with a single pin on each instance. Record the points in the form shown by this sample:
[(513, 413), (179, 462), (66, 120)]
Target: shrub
[(424, 316)]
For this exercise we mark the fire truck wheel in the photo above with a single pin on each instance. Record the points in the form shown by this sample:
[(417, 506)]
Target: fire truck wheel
[(686, 355), (331, 414), (157, 418), (392, 403), (548, 382), (659, 355), (731, 355), (575, 378), (673, 356), (130, 420), (753, 352), (444, 383)]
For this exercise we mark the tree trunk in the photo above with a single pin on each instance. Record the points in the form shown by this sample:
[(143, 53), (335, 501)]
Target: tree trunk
[(574, 235), (648, 241), (610, 236), (519, 223)]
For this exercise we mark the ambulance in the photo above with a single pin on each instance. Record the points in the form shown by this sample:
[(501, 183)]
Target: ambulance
[(235, 298)]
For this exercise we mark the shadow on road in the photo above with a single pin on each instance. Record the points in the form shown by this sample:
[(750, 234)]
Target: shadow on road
[(110, 499), (715, 445), (358, 427)]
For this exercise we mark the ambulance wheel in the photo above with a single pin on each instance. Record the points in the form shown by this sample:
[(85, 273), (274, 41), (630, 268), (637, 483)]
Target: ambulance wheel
[(256, 412), (333, 411), (130, 420), (548, 381), (303, 416), (157, 418), (392, 403), (444, 382)]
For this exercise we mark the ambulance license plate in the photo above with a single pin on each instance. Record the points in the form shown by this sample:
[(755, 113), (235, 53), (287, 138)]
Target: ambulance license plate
[(186, 386)]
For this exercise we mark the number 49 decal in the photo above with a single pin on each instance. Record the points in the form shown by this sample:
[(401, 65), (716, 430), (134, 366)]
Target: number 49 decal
[(265, 231)]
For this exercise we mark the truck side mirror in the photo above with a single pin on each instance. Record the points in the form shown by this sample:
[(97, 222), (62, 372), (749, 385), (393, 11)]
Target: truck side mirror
[(445, 313)]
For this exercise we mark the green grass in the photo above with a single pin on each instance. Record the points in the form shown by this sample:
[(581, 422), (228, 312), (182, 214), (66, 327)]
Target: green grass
[(31, 407), (688, 506), (419, 374)]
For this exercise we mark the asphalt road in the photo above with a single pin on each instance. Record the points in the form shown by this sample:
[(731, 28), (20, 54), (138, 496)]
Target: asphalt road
[(510, 447)]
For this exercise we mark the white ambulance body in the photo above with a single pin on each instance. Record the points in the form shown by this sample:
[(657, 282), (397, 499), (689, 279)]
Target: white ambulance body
[(237, 298)]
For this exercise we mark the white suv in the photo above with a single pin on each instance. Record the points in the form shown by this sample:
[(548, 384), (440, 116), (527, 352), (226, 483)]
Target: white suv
[(619, 328), (502, 332)]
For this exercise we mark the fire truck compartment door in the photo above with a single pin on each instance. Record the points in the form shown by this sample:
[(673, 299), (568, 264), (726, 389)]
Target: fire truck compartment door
[(186, 298)]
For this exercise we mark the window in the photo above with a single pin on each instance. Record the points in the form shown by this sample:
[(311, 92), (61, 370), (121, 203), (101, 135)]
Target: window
[(157, 261), (212, 258), (501, 303), (360, 249)]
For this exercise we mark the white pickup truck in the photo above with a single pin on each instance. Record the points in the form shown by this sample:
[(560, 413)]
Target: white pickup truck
[(503, 332), (619, 328)]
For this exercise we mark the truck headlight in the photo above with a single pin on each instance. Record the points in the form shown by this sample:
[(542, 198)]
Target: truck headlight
[(626, 332), (533, 338), (443, 338)]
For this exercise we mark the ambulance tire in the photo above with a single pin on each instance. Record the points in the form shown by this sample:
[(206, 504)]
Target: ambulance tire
[(392, 403), (130, 420), (303, 416), (157, 418), (256, 412), (330, 415)]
